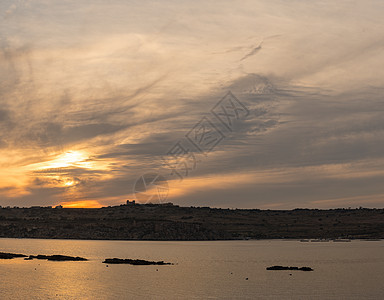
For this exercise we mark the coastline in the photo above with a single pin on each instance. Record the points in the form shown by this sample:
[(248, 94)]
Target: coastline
[(169, 222)]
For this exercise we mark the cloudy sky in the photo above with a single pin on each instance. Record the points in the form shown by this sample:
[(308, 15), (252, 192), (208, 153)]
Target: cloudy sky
[(95, 94)]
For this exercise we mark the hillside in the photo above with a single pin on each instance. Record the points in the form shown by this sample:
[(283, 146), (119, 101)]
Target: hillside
[(171, 222)]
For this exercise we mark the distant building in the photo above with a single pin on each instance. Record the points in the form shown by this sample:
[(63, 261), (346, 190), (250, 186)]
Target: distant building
[(59, 206), (133, 202)]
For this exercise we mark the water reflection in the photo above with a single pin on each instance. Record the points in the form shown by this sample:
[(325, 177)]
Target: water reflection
[(202, 270)]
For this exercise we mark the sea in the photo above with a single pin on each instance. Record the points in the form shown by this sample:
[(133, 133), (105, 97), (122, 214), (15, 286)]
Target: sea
[(201, 270)]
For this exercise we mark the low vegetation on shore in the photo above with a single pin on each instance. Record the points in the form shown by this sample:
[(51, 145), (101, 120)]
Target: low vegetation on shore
[(171, 222)]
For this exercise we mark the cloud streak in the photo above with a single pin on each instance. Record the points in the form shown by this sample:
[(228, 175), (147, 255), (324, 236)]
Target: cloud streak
[(252, 52)]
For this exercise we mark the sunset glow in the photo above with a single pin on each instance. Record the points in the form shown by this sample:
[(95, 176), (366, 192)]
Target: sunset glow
[(67, 159), (93, 96), (81, 204)]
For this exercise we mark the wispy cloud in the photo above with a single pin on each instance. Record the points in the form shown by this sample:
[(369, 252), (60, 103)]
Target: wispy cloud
[(252, 52), (121, 83)]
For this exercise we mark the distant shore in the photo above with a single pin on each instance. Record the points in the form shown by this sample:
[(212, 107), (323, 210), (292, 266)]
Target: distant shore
[(169, 222)]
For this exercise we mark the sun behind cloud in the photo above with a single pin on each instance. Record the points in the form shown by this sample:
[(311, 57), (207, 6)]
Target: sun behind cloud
[(67, 159)]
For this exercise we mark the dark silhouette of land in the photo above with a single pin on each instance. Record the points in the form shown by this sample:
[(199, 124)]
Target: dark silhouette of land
[(56, 257), (281, 268), (171, 222), (5, 255), (135, 262)]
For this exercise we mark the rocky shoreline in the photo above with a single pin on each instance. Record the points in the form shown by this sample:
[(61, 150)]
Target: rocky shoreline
[(173, 223)]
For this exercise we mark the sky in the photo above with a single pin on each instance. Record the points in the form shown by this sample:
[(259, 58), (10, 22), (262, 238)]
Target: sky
[(102, 99)]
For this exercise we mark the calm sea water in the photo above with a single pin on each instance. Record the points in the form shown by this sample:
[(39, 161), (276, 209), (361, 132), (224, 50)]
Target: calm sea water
[(204, 270)]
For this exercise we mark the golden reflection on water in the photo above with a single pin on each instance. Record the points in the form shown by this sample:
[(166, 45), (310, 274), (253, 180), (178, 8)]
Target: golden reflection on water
[(216, 269)]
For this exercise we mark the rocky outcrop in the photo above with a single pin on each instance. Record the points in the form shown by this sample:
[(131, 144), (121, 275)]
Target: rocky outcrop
[(136, 262), (4, 255), (279, 268), (56, 258)]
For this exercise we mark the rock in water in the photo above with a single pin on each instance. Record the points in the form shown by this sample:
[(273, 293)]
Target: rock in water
[(57, 257), (4, 255), (279, 268), (136, 262), (306, 269)]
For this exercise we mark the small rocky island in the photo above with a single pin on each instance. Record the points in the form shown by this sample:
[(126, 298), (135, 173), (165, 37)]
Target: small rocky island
[(56, 257), (136, 262), (4, 255), (279, 268)]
